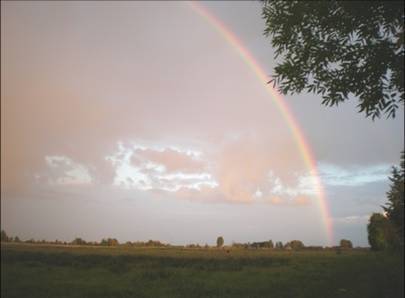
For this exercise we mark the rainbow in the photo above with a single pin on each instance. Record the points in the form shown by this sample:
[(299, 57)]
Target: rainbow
[(281, 105)]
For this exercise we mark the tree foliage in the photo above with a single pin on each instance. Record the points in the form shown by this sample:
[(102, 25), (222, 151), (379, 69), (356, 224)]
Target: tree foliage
[(340, 49), (394, 209), (270, 244), (109, 242), (78, 241), (220, 241), (4, 237), (263, 244), (344, 243), (381, 233), (295, 244)]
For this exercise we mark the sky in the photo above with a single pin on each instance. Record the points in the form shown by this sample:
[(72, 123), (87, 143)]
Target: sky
[(139, 120)]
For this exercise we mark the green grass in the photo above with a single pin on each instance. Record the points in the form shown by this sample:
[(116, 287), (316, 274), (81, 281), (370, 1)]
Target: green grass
[(50, 271)]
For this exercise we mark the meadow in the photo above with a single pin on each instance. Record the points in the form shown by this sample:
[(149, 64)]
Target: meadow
[(83, 271)]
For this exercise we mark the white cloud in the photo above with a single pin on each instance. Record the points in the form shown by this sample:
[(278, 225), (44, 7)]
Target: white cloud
[(187, 172), (62, 170), (161, 168), (171, 158), (305, 185)]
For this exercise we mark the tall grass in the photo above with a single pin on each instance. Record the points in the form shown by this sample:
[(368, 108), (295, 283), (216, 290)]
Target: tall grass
[(47, 271)]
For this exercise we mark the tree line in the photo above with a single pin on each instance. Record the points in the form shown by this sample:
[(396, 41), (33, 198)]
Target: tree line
[(291, 245), (81, 241)]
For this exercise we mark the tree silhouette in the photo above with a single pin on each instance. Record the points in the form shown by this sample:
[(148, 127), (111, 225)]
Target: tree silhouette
[(394, 209), (344, 243), (109, 242), (338, 49), (279, 245), (295, 244), (4, 237), (220, 241), (78, 241), (270, 244), (381, 233)]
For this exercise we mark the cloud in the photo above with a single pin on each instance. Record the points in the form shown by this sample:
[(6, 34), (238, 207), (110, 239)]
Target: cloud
[(247, 163), (335, 175), (172, 160), (234, 174), (164, 169), (64, 171), (304, 185)]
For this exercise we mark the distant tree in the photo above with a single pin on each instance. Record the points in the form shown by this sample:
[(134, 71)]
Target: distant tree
[(279, 245), (338, 49), (381, 233), (17, 239), (394, 209), (263, 244), (78, 241), (220, 241), (109, 242), (155, 243), (112, 242), (270, 244), (344, 243), (4, 237), (296, 244)]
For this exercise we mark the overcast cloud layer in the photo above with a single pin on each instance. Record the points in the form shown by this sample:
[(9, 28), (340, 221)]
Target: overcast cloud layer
[(140, 113)]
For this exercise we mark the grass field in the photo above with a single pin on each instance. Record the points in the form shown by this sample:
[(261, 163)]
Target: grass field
[(50, 271)]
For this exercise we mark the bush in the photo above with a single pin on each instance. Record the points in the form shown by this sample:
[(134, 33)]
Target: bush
[(344, 243), (295, 244), (381, 233)]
